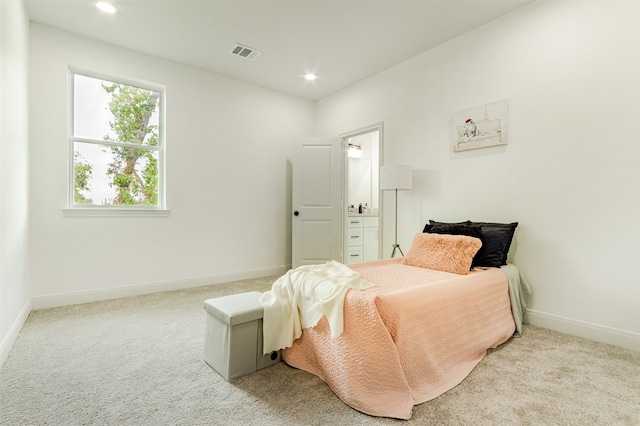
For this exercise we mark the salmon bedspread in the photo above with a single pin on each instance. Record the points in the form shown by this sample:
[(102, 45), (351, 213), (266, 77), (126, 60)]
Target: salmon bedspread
[(412, 337)]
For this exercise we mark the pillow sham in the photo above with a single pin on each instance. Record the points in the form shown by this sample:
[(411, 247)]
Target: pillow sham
[(454, 229), (433, 223), (441, 252), (496, 239), (508, 230), (495, 247)]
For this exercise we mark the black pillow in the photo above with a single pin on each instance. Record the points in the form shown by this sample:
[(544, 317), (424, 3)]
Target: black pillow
[(433, 223), (454, 229), (495, 247), (508, 229), (496, 239)]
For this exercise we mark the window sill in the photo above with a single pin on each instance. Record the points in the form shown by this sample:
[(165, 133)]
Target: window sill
[(113, 212)]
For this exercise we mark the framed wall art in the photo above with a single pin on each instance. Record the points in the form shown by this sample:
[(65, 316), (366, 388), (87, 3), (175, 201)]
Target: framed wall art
[(480, 127)]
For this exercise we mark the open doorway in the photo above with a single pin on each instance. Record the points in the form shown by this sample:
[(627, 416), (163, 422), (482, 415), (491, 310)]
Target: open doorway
[(362, 194)]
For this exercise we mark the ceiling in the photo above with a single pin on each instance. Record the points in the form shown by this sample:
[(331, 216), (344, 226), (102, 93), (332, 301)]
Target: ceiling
[(342, 42)]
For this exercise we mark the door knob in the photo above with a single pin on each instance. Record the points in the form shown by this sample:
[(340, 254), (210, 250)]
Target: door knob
[(296, 213)]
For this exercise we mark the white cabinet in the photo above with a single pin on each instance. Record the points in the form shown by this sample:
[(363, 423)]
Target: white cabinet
[(361, 239)]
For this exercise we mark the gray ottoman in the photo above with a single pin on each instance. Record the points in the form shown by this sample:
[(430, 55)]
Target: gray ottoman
[(233, 339)]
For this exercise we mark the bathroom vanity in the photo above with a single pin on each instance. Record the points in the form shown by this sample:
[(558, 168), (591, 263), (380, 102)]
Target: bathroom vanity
[(362, 238)]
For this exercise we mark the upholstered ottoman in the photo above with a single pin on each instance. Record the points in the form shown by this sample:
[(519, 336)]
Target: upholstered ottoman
[(233, 339)]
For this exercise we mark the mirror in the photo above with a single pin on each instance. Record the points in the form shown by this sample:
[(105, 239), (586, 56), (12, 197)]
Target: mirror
[(362, 172), (360, 183)]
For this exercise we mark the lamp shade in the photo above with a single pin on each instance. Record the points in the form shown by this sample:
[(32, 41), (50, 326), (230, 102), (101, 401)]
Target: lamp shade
[(396, 177)]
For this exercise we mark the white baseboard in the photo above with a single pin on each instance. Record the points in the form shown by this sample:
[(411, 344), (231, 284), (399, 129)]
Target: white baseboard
[(77, 297), (12, 335), (599, 333)]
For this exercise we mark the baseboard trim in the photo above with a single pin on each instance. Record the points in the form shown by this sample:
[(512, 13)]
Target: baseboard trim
[(77, 297), (12, 335), (599, 333)]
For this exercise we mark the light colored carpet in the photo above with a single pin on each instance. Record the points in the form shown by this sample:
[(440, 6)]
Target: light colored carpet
[(138, 361)]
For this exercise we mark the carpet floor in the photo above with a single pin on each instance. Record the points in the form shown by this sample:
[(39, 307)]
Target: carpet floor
[(139, 361)]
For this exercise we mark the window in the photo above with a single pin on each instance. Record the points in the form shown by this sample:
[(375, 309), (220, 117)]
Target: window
[(117, 144)]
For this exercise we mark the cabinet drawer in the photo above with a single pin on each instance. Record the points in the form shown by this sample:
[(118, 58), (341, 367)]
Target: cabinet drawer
[(354, 255), (354, 237), (354, 222)]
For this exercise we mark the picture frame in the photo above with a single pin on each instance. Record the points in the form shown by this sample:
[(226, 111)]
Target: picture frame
[(481, 126)]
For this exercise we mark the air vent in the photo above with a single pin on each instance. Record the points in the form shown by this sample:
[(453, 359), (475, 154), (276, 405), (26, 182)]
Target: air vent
[(245, 52)]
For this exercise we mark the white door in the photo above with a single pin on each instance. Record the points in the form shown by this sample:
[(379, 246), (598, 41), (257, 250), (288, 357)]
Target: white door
[(317, 201)]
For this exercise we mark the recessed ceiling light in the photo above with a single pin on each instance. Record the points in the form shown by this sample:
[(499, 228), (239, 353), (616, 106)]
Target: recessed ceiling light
[(310, 77), (106, 7)]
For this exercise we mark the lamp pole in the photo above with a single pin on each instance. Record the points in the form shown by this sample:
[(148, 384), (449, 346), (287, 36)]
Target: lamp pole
[(396, 178), (396, 246)]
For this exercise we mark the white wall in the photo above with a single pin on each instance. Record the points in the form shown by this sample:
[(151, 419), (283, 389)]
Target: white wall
[(14, 150), (570, 174), (228, 181)]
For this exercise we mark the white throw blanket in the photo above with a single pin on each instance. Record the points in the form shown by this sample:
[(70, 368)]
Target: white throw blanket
[(299, 298)]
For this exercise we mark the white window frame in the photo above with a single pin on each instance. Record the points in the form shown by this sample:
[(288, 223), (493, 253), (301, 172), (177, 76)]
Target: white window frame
[(116, 210)]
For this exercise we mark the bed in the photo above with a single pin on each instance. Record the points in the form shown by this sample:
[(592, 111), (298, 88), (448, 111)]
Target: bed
[(418, 332)]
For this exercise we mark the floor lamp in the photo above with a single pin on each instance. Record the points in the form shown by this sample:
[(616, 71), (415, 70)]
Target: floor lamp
[(396, 178)]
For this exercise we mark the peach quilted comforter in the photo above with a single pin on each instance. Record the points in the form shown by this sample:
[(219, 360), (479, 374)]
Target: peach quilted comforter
[(409, 339)]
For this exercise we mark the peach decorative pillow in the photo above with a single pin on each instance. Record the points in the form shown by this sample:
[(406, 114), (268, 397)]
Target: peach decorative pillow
[(443, 252)]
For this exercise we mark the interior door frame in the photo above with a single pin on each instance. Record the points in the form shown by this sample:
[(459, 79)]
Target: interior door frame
[(345, 182)]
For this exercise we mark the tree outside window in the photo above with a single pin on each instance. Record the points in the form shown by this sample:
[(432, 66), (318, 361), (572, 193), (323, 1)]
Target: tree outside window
[(117, 143)]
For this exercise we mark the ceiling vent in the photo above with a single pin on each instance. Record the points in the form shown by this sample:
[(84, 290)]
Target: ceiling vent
[(245, 52)]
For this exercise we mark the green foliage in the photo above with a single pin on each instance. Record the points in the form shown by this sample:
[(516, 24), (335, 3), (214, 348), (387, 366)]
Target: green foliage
[(81, 177), (134, 172)]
